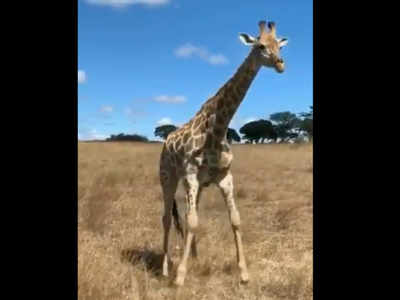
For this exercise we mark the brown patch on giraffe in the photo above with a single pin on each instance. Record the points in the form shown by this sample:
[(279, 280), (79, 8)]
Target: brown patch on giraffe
[(228, 86), (181, 151), (196, 122), (186, 137), (202, 140), (167, 161), (202, 126), (189, 145), (217, 145), (197, 132), (221, 103), (218, 132), (178, 159), (244, 82), (197, 142), (225, 113), (181, 137), (178, 143), (228, 102), (206, 123), (236, 100), (196, 153), (231, 110), (237, 91), (170, 138), (172, 168), (172, 160), (208, 141), (210, 106), (220, 119), (170, 147)]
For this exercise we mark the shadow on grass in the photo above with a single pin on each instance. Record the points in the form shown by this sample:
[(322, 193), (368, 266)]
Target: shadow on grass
[(144, 258)]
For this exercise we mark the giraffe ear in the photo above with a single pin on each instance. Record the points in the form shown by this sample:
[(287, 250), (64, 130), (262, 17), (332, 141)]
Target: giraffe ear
[(282, 42), (246, 39)]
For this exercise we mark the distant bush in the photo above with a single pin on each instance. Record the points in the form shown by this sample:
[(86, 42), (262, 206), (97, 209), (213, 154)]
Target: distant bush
[(127, 138)]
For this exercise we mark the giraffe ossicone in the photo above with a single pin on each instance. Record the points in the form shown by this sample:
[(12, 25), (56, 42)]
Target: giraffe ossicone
[(199, 153)]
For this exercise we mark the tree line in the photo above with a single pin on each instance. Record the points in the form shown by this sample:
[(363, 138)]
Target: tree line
[(126, 137), (281, 126)]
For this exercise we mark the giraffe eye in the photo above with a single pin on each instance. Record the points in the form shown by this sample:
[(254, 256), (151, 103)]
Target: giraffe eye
[(262, 47)]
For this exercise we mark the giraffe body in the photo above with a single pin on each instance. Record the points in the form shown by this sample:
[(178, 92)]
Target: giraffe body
[(199, 154)]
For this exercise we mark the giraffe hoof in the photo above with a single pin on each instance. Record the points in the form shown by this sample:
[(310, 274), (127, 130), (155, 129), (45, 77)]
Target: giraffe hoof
[(244, 278), (179, 281)]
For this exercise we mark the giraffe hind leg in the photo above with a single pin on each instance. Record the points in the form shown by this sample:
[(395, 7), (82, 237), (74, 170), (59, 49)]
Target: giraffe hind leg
[(178, 226), (176, 216), (192, 187), (169, 185)]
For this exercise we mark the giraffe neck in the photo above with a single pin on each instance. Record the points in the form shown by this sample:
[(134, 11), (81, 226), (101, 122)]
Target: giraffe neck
[(228, 98)]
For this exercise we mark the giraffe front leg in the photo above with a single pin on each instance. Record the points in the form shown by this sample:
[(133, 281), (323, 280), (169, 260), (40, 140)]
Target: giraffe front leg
[(192, 188), (226, 187)]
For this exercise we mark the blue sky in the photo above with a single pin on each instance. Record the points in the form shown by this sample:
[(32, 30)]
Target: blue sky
[(142, 63)]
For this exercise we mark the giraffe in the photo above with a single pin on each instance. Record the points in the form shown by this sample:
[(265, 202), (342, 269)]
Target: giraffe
[(198, 153)]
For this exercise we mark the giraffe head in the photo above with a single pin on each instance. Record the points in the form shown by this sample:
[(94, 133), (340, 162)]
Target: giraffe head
[(266, 46)]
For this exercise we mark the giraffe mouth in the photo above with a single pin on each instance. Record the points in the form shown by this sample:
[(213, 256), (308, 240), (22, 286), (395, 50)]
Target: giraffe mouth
[(279, 66)]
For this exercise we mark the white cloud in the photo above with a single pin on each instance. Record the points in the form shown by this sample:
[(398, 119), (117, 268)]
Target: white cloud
[(81, 76), (217, 59), (164, 121), (106, 109), (188, 50), (170, 99), (124, 3)]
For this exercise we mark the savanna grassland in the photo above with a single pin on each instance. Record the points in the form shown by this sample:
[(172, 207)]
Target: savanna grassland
[(120, 229)]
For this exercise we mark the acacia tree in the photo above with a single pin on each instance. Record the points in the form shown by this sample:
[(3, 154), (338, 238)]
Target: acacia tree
[(250, 132), (268, 131), (286, 125), (164, 130), (232, 135), (258, 130)]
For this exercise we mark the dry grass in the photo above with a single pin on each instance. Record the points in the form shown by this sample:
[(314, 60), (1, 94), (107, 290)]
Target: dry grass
[(120, 231)]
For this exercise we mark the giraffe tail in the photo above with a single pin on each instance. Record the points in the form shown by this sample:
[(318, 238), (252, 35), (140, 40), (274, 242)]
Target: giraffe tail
[(177, 223)]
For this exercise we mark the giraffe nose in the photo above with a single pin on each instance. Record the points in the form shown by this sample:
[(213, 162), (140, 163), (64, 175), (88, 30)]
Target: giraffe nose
[(280, 60)]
